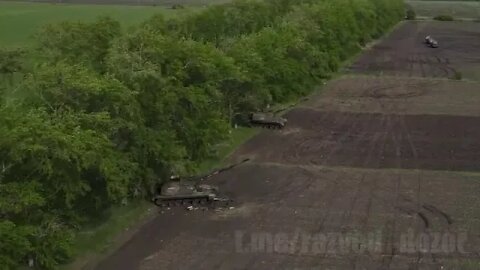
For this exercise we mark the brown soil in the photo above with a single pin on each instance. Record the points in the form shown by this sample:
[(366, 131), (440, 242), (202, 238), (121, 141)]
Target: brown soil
[(436, 142), (398, 95), (277, 198), (405, 54), (381, 155)]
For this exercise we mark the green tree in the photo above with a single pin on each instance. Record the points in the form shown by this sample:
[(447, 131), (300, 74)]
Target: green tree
[(11, 61), (179, 85), (98, 103), (78, 42), (11, 64), (15, 245)]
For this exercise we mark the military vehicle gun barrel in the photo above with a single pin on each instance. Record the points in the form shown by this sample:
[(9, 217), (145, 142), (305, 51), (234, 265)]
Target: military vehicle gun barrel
[(190, 191)]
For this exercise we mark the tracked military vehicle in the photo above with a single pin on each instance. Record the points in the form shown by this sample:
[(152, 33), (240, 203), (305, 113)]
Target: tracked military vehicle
[(191, 192), (267, 120), (187, 193)]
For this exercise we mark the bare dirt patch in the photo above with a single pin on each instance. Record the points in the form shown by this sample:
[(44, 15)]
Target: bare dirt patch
[(405, 54), (373, 140), (398, 95)]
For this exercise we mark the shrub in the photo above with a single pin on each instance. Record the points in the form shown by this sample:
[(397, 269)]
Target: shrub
[(446, 18), (178, 6), (457, 76), (410, 13)]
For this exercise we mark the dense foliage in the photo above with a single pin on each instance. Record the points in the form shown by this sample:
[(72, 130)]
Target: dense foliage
[(410, 13), (105, 114), (446, 18)]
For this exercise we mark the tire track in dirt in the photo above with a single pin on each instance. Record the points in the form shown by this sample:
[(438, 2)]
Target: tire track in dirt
[(373, 186), (341, 175), (383, 139), (326, 140), (298, 148), (285, 192), (311, 181), (386, 123), (347, 217), (411, 66), (422, 217), (438, 212), (422, 63), (419, 204), (348, 134), (391, 225)]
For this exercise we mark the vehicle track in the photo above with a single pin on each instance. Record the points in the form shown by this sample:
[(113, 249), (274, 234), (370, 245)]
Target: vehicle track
[(390, 226), (419, 194)]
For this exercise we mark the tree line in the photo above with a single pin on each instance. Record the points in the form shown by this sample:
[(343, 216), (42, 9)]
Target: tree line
[(102, 114)]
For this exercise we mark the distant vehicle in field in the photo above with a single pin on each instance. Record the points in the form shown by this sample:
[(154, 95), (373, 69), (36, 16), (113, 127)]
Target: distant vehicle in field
[(267, 120), (432, 43), (428, 39), (191, 192)]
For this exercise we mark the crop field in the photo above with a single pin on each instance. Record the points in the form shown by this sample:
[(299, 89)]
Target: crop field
[(19, 20), (424, 96), (458, 9), (404, 54), (395, 154)]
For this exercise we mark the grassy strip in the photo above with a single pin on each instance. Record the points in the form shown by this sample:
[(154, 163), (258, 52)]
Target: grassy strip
[(97, 240), (464, 264), (237, 138)]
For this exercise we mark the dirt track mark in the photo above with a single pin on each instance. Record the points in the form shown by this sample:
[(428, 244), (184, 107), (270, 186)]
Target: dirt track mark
[(371, 149), (391, 88), (308, 142), (424, 219), (383, 92), (390, 242), (439, 212), (332, 136), (346, 215), (385, 120)]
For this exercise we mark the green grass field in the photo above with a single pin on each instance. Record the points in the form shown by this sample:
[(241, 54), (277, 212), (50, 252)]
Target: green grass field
[(457, 9), (19, 21)]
